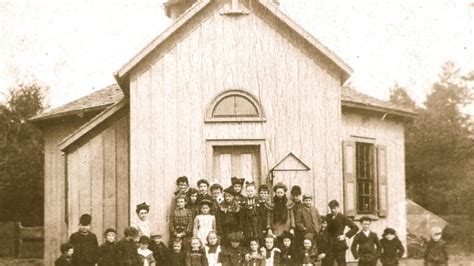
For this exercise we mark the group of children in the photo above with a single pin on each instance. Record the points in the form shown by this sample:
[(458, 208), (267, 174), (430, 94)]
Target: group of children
[(216, 226)]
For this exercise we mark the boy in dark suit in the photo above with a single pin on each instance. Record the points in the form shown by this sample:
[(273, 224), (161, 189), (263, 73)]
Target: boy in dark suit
[(86, 247), (160, 251), (366, 245), (337, 223), (108, 250), (66, 252), (127, 254)]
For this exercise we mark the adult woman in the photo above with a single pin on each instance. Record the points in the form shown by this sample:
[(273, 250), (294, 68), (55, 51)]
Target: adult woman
[(280, 218)]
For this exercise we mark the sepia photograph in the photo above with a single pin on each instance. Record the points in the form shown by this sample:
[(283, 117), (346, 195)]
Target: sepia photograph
[(237, 132)]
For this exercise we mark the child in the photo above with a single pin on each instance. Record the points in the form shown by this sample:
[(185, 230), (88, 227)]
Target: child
[(145, 255), (181, 220), (295, 196), (251, 219), (337, 223), (228, 216), (108, 250), (264, 206), (281, 217), (177, 257), (216, 190), (271, 253), (213, 250), (204, 222), (203, 191), (255, 256), (307, 219), (192, 201), (237, 185), (66, 252), (86, 247), (127, 248), (366, 245), (392, 248), (183, 186), (323, 242), (159, 249), (309, 254), (141, 223), (196, 256), (435, 252), (233, 255), (288, 254)]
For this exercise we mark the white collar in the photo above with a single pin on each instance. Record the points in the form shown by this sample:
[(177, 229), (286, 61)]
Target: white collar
[(144, 252)]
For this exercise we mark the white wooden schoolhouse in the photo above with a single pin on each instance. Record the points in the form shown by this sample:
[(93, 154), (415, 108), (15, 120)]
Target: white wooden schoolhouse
[(231, 88)]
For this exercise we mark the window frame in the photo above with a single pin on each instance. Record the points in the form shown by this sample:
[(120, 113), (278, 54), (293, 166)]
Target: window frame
[(372, 160), (209, 118)]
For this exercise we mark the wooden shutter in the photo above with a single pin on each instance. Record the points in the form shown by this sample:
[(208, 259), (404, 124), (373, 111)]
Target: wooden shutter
[(382, 195), (350, 181)]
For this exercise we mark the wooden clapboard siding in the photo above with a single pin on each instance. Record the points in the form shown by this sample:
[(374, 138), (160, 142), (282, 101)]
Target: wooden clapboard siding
[(97, 175), (55, 228), (170, 92), (389, 133)]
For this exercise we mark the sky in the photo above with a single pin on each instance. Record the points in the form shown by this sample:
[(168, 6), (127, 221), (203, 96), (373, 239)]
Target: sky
[(73, 47)]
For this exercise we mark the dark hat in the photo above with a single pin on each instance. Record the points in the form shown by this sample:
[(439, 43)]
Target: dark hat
[(85, 219), (236, 237), (231, 191), (263, 188), (235, 180), (307, 197), (365, 218), (156, 235), (130, 231), (287, 234), (144, 240), (203, 181), (182, 179), (109, 230), (65, 247), (205, 202), (333, 203), (143, 206), (295, 190), (280, 185), (389, 231)]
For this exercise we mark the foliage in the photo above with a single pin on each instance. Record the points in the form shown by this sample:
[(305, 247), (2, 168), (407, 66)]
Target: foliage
[(440, 145), (21, 156)]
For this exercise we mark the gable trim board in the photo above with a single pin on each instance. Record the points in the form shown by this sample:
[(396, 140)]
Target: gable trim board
[(301, 166), (122, 75)]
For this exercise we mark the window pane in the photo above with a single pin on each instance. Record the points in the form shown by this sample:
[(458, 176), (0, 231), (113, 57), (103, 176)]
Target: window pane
[(365, 174), (226, 107), (244, 107)]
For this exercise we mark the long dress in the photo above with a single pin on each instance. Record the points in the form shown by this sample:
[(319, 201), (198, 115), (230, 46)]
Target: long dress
[(203, 224), (213, 255)]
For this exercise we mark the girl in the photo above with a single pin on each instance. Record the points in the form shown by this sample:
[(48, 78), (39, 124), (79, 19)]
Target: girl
[(255, 256), (177, 257), (250, 213), (288, 254), (213, 250), (270, 252), (309, 255), (196, 256), (192, 203), (435, 252), (228, 216), (392, 248), (181, 221), (146, 255), (141, 223), (204, 222), (323, 242), (281, 217)]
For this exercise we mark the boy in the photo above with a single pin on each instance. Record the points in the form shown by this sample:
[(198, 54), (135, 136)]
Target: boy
[(263, 198), (323, 242), (366, 245), (160, 251), (178, 256), (435, 252), (217, 195), (108, 250), (237, 185), (252, 224), (181, 220), (127, 248), (234, 255), (66, 252), (337, 223), (86, 247), (307, 219), (203, 191)]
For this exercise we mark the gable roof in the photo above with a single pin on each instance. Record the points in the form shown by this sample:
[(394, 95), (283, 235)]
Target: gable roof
[(122, 75), (290, 163)]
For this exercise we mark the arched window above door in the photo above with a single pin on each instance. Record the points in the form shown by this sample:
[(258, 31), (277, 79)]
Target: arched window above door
[(235, 106)]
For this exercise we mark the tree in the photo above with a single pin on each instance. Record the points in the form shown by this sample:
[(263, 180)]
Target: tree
[(21, 156)]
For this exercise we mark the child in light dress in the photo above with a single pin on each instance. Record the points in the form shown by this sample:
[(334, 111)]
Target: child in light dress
[(213, 250), (205, 222)]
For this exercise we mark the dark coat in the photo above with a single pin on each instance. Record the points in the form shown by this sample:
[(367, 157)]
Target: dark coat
[(160, 252), (252, 220), (323, 243), (308, 256), (366, 248), (336, 226), (392, 251), (63, 261), (108, 254), (308, 221), (228, 220), (436, 252), (232, 256), (86, 248), (177, 259), (196, 258), (288, 256), (127, 252)]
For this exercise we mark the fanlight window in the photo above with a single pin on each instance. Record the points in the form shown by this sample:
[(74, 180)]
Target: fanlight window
[(234, 106)]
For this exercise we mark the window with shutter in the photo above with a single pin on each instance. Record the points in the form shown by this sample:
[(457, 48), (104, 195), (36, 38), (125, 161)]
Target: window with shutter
[(365, 175)]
